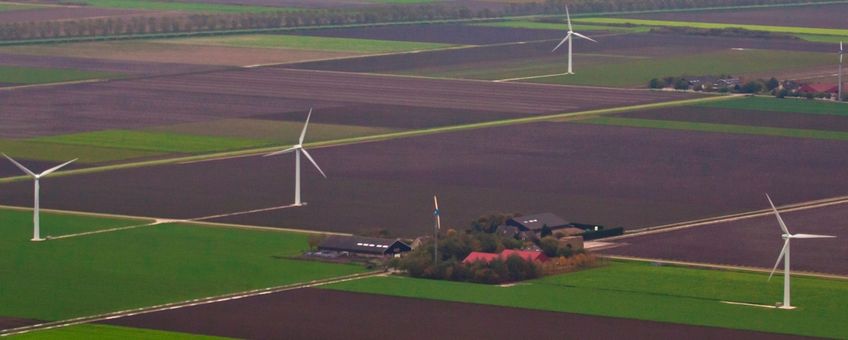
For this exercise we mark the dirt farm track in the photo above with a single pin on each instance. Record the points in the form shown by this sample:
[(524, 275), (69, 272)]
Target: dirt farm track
[(326, 314), (248, 92)]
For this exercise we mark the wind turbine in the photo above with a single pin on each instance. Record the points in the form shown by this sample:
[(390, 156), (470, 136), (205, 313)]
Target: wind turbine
[(570, 39), (36, 232), (438, 226), (784, 255), (298, 149), (841, 52)]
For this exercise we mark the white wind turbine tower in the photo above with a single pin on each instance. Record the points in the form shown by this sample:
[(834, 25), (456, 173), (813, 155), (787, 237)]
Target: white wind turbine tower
[(298, 149), (841, 52), (569, 37), (784, 255), (36, 228)]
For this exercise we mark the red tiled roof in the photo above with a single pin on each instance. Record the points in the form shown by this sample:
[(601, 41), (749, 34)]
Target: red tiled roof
[(818, 87), (479, 256), (533, 256)]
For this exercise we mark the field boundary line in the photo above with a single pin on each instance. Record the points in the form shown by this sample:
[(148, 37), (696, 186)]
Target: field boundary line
[(173, 220), (724, 267), (787, 208), (186, 303), (386, 136), (72, 82)]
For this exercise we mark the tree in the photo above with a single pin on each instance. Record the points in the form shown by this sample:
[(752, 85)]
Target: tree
[(656, 84), (681, 84), (549, 246), (546, 231), (772, 84)]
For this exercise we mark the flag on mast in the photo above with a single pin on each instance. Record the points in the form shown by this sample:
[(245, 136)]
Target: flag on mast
[(436, 213)]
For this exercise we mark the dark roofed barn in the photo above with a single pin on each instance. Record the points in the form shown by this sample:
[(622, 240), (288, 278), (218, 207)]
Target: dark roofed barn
[(536, 221), (363, 245)]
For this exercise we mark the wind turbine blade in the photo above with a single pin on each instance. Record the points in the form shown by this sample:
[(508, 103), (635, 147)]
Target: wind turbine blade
[(812, 236), (779, 220), (49, 171), (779, 257), (568, 18), (280, 152), (436, 202), (313, 162), (567, 36), (584, 37), (20, 166), (303, 133)]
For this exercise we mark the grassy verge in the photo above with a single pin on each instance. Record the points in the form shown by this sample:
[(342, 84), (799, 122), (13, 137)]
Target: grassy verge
[(718, 128), (671, 294), (38, 75), (278, 132), (387, 136), (708, 25), (638, 72), (537, 25), (96, 331), (153, 141), (311, 43), (88, 275), (27, 149), (180, 6), (782, 105)]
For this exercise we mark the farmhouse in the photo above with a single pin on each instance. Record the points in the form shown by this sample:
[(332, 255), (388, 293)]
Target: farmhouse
[(818, 88), (537, 221), (527, 255), (358, 245)]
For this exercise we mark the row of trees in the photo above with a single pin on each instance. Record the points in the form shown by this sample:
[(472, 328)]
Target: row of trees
[(313, 17), (723, 32)]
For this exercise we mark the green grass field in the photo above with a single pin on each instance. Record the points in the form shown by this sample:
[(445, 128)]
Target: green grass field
[(96, 331), (639, 71), (646, 292), (8, 6), (179, 6), (560, 26), (38, 75), (154, 141), (707, 25), (278, 132), (310, 43), (88, 275), (782, 105), (28, 149), (718, 128)]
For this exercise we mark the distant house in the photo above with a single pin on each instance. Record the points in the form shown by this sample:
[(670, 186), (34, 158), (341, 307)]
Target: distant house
[(574, 243), (818, 88), (360, 245), (504, 230), (536, 221), (527, 255)]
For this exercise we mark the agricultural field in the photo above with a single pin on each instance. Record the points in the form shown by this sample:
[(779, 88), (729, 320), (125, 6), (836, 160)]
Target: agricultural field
[(818, 16), (753, 242), (12, 75), (610, 171), (144, 266), (93, 331), (34, 12), (155, 5), (330, 44), (296, 312)]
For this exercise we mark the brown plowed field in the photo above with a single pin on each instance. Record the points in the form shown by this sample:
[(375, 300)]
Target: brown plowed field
[(7, 169), (745, 117), (326, 314), (447, 33), (65, 13), (249, 92), (823, 16), (753, 242), (628, 45), (8, 323), (158, 52), (584, 173)]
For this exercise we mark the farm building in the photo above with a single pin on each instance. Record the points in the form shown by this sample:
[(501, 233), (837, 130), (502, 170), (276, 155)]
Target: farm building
[(537, 221), (527, 255), (818, 88), (359, 245)]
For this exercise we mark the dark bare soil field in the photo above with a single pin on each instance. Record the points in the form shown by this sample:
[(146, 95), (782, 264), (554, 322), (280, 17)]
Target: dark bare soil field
[(324, 314), (628, 45), (65, 13), (822, 16), (250, 92), (754, 242), (593, 174), (88, 64), (7, 169), (745, 117), (447, 34), (7, 323)]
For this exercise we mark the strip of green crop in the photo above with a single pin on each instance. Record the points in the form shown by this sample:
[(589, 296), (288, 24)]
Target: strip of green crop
[(41, 75), (153, 141), (538, 25), (387, 136), (719, 128), (99, 331), (181, 6), (311, 43), (790, 105), (707, 25)]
